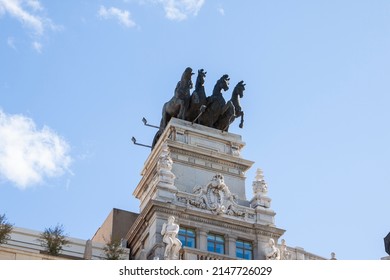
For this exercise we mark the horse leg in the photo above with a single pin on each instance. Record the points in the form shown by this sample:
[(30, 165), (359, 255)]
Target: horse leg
[(164, 120), (167, 113), (181, 114), (184, 107), (242, 120)]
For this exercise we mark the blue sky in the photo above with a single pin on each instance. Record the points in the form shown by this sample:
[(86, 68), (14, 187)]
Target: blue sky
[(76, 78)]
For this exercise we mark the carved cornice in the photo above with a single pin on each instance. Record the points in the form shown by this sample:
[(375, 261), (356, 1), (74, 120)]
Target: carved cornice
[(204, 131), (195, 217), (208, 159), (269, 231), (207, 155)]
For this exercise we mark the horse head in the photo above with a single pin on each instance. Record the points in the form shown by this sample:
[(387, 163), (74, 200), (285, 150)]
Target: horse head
[(239, 89), (222, 83), (225, 82), (201, 77), (186, 78)]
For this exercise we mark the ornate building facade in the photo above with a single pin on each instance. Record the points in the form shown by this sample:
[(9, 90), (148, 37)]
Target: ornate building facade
[(197, 175)]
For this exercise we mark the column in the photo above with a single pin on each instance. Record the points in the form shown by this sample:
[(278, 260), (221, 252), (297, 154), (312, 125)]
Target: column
[(201, 239), (231, 245)]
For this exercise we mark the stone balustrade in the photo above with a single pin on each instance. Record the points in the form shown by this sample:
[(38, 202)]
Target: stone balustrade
[(196, 254)]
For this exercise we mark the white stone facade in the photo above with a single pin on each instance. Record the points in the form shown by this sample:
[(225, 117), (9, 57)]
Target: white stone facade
[(197, 174)]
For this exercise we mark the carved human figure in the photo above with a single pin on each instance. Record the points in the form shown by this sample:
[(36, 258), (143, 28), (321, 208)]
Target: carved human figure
[(173, 244), (272, 252), (284, 253)]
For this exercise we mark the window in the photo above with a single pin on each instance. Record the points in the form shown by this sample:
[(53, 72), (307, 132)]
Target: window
[(215, 243), (244, 250), (187, 237)]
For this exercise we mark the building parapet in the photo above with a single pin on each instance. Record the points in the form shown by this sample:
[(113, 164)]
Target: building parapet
[(25, 245)]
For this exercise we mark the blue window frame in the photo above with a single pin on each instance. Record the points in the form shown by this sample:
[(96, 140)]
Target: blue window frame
[(187, 237), (215, 243), (244, 250)]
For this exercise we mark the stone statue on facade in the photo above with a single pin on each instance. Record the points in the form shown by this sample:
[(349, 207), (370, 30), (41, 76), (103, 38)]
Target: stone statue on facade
[(272, 252), (164, 167), (284, 253), (260, 191), (169, 232)]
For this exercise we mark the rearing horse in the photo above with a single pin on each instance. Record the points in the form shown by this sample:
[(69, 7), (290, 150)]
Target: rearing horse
[(238, 93), (198, 97), (234, 111), (216, 104), (177, 106)]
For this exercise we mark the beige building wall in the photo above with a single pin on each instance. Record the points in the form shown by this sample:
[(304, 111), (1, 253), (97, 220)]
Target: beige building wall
[(25, 245), (115, 227)]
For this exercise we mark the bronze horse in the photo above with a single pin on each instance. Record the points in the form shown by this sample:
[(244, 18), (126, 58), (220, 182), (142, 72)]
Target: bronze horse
[(177, 106), (198, 97), (237, 94), (216, 104), (233, 112)]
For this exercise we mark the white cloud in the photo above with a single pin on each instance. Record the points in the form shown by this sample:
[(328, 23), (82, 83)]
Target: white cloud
[(37, 46), (123, 16), (16, 9), (180, 9), (11, 43), (29, 155), (221, 11), (35, 5), (31, 14)]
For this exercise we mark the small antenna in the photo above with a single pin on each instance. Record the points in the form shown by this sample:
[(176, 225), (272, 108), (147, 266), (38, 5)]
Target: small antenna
[(135, 143), (145, 121), (202, 109)]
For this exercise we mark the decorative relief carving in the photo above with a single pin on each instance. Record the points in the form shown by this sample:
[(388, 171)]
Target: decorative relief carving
[(182, 199), (236, 149), (206, 221), (215, 197), (251, 216)]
